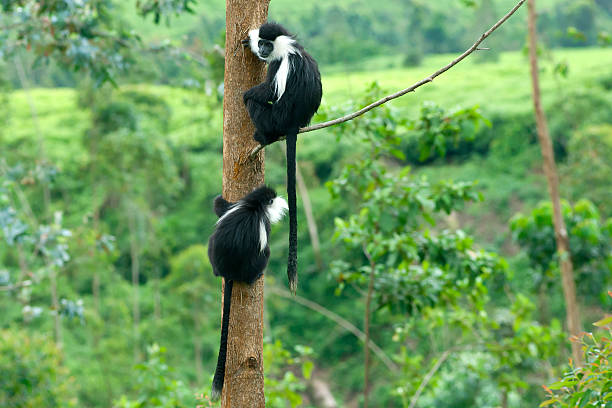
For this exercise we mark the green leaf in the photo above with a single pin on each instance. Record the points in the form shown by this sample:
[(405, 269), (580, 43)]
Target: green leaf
[(585, 398), (307, 369), (398, 154), (576, 34), (603, 322)]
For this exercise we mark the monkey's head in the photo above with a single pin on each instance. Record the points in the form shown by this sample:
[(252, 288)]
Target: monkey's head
[(270, 42), (265, 199)]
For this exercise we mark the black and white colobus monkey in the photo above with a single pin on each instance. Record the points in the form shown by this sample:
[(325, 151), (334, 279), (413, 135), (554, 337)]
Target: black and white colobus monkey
[(239, 250), (285, 102)]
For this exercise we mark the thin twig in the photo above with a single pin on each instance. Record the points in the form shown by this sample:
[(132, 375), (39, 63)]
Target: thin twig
[(403, 92), (25, 85), (428, 378), (16, 286), (342, 322)]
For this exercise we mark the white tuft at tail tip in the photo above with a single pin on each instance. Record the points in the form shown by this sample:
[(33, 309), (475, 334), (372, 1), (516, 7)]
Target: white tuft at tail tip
[(215, 394), (293, 286)]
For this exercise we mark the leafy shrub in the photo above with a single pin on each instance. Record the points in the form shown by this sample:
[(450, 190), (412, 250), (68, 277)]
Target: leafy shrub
[(413, 58), (282, 385), (579, 16), (156, 385), (32, 374), (590, 241), (113, 116), (588, 169), (573, 111), (606, 82), (589, 385), (449, 133)]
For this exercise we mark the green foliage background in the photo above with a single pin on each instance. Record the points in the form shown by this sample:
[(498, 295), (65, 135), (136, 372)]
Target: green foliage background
[(133, 170)]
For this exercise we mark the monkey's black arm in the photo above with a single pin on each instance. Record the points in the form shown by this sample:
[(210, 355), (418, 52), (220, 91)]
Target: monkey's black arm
[(262, 94), (221, 205)]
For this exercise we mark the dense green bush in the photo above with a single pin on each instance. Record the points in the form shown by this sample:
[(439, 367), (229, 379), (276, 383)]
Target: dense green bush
[(588, 385), (31, 372), (572, 111), (510, 134), (156, 385), (588, 169), (590, 241)]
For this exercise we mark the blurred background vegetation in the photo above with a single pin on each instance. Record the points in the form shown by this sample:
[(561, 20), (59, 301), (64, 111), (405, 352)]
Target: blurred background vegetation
[(110, 156)]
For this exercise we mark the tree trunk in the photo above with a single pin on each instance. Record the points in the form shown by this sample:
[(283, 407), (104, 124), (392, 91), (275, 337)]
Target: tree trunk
[(157, 305), (310, 220), (135, 281), (366, 349), (197, 342), (56, 309), (567, 274), (95, 284), (244, 380)]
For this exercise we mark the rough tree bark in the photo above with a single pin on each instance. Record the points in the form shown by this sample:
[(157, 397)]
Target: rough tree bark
[(244, 378), (550, 169)]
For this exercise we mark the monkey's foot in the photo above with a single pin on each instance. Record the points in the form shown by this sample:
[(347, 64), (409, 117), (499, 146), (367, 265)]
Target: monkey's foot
[(260, 138)]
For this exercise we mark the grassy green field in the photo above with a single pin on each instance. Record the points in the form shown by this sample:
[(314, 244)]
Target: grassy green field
[(497, 87), (502, 86), (61, 123), (287, 10)]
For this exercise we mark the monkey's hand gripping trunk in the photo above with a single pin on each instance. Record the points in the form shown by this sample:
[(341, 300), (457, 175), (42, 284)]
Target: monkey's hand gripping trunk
[(291, 198), (219, 378)]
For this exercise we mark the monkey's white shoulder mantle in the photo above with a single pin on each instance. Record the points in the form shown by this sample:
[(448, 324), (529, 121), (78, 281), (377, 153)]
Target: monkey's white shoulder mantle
[(283, 48)]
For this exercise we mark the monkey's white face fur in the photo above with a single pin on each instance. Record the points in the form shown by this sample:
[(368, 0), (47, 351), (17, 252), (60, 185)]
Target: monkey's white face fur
[(254, 41), (283, 47), (275, 213)]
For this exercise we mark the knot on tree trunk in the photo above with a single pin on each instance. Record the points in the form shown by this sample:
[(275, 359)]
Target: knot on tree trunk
[(252, 362)]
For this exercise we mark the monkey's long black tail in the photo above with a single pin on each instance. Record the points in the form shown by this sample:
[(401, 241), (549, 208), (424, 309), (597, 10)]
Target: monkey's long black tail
[(291, 198), (217, 385)]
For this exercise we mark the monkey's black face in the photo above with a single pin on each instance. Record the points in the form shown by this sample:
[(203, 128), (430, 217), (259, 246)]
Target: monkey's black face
[(265, 48), (270, 42)]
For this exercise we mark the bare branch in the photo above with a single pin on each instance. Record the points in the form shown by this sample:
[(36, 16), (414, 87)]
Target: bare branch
[(403, 92), (340, 321)]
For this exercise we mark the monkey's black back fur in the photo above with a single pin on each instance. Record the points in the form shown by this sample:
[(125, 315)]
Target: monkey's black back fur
[(274, 117), (235, 252), (297, 105), (234, 248)]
